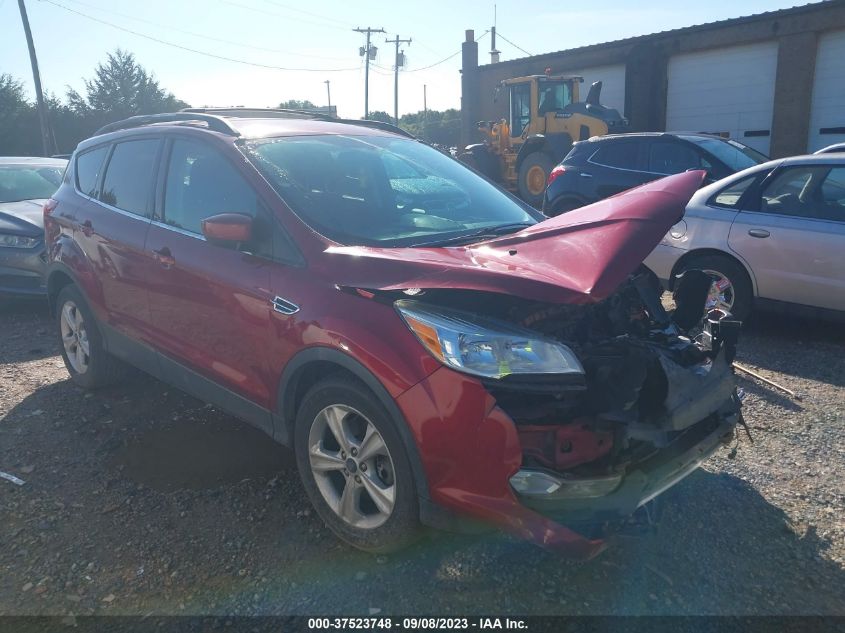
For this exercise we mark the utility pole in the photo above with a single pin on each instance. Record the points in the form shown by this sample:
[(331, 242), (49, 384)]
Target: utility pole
[(425, 112), (368, 52), (400, 61), (329, 94), (494, 52), (46, 141)]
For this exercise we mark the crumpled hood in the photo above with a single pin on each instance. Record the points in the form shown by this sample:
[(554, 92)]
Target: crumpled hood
[(25, 217), (577, 257)]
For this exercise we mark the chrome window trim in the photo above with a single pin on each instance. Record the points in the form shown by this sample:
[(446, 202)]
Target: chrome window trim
[(181, 231), (128, 214)]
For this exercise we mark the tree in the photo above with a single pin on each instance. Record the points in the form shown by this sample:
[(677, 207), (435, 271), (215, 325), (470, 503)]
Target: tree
[(433, 126), (16, 118), (295, 104), (121, 88), (380, 115)]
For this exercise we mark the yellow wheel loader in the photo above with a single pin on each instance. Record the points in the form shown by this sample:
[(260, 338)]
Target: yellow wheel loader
[(545, 117)]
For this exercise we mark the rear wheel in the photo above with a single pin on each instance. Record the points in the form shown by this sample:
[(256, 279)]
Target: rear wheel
[(354, 467), (86, 360), (533, 174), (731, 288)]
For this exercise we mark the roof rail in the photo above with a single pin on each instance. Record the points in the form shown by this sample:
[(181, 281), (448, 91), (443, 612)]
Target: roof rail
[(214, 123), (377, 125), (269, 113)]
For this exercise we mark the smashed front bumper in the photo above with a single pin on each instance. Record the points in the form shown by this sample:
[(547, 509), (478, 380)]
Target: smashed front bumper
[(471, 452), (645, 481)]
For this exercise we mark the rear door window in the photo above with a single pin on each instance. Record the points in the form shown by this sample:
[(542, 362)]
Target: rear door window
[(807, 191), (672, 158), (619, 155), (88, 166), (128, 183)]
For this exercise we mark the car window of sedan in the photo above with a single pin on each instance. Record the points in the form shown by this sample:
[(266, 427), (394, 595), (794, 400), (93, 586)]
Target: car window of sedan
[(806, 191), (730, 196)]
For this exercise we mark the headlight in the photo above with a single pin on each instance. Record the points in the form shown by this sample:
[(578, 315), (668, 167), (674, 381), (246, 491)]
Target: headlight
[(485, 347), (17, 241)]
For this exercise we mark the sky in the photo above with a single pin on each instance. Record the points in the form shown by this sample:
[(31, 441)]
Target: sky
[(315, 42)]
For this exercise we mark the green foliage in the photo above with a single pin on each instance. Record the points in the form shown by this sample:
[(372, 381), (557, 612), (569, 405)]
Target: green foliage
[(440, 128), (120, 88), (380, 115), (295, 104)]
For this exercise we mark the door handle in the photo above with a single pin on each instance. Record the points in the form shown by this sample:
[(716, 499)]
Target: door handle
[(758, 233), (584, 174), (164, 257)]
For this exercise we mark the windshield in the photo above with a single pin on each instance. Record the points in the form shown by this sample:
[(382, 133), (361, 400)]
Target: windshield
[(732, 153), (28, 182), (383, 190)]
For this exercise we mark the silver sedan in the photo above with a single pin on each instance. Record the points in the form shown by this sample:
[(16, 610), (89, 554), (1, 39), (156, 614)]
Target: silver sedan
[(25, 184), (772, 235)]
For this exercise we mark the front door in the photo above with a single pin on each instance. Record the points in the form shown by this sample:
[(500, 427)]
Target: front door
[(794, 239), (210, 304)]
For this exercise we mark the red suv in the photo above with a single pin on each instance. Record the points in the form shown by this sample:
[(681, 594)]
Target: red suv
[(431, 348)]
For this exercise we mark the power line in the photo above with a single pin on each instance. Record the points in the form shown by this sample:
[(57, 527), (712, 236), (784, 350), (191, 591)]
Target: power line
[(499, 33), (445, 59), (280, 15), (193, 50), (201, 35), (316, 15)]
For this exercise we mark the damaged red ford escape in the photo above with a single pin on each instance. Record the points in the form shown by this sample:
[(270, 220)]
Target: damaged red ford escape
[(431, 348)]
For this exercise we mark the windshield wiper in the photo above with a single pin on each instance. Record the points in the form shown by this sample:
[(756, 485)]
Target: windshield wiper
[(475, 236)]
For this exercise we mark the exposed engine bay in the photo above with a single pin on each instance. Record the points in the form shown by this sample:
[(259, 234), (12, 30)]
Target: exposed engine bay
[(651, 376)]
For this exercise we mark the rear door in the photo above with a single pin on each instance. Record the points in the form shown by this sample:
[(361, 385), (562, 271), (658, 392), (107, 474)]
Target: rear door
[(793, 236), (117, 184), (210, 304)]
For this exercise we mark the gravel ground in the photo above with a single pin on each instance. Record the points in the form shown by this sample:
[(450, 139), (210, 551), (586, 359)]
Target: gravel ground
[(141, 500)]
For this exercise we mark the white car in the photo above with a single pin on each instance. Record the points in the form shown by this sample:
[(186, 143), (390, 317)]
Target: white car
[(773, 234)]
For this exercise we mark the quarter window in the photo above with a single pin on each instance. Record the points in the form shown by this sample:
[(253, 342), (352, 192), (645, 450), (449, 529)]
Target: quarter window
[(88, 166), (129, 176), (202, 183), (729, 196), (619, 155)]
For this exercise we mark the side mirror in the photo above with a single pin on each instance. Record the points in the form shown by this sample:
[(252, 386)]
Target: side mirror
[(228, 228)]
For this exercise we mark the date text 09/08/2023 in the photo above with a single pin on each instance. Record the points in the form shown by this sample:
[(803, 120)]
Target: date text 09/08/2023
[(415, 623)]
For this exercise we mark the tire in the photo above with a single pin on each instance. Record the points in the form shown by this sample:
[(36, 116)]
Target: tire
[(533, 173), (77, 329), (371, 485), (741, 290)]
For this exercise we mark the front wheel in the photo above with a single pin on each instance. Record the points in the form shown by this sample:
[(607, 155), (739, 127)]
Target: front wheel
[(533, 173), (354, 467)]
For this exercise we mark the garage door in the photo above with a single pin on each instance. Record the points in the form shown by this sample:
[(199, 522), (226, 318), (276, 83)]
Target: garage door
[(827, 118), (613, 84), (728, 91)]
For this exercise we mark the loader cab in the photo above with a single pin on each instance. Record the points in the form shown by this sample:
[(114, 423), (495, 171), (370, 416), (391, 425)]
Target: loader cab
[(536, 98)]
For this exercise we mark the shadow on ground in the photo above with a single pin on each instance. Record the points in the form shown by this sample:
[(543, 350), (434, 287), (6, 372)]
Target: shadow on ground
[(182, 509)]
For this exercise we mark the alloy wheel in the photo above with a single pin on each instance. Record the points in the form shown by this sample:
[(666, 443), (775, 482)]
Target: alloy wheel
[(352, 466), (721, 294), (75, 337)]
